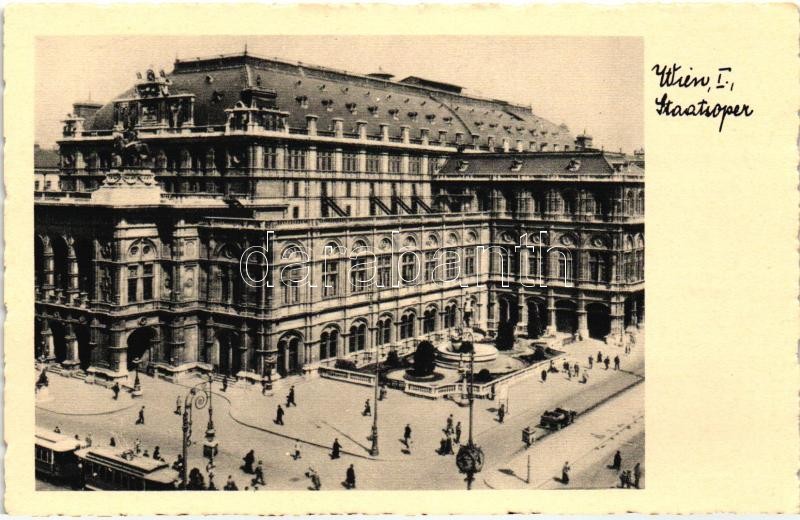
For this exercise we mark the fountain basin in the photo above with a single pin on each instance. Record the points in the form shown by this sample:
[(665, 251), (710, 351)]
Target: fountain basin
[(485, 353)]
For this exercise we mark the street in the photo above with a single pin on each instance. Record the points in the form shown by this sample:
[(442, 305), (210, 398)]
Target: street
[(244, 420)]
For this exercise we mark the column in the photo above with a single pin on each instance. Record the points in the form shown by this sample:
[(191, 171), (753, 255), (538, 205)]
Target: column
[(522, 313), (117, 351), (176, 342), (583, 323), (209, 341), (244, 347), (261, 349), (48, 349), (72, 347), (551, 314), (617, 323), (72, 272)]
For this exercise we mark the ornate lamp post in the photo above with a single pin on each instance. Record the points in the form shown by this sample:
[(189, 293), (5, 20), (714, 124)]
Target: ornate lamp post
[(374, 437), (137, 385), (198, 397), (469, 458)]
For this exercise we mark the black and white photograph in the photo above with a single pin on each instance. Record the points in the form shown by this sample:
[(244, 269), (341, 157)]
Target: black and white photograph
[(346, 263)]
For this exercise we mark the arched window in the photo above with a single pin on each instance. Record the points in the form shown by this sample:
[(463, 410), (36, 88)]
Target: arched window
[(408, 263), (383, 333), (597, 268), (429, 320), (450, 316), (407, 325), (358, 337), (469, 261), (328, 343), (563, 259)]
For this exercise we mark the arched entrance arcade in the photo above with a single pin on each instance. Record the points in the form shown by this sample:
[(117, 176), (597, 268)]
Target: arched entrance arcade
[(289, 347), (142, 347), (598, 319)]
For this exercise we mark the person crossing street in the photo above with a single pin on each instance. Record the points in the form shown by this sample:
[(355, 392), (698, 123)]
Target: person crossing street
[(279, 416), (140, 419)]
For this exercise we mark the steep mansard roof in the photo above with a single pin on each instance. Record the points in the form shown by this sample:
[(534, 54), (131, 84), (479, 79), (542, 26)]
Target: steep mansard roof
[(590, 162), (302, 89)]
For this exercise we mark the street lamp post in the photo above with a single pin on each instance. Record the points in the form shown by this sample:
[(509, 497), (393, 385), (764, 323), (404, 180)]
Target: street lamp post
[(469, 458), (373, 451), (137, 385), (198, 397)]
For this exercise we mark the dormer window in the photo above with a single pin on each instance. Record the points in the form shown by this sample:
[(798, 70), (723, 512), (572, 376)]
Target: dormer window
[(328, 104), (507, 128), (516, 165), (373, 109), (492, 125), (393, 112), (412, 116), (322, 87), (462, 165), (302, 101), (430, 117), (448, 120), (351, 107)]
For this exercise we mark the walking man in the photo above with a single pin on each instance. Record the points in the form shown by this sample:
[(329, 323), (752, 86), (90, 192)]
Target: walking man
[(248, 459), (407, 436), (501, 413), (279, 416), (350, 478), (637, 474), (335, 449), (591, 361), (616, 362), (178, 405), (544, 375), (577, 369), (115, 389), (259, 478), (449, 426), (367, 410), (225, 383), (606, 362), (599, 357), (290, 398), (565, 473), (458, 432), (617, 461), (140, 420), (296, 454)]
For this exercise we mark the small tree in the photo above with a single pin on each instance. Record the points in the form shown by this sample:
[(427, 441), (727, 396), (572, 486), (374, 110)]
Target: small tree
[(424, 359), (505, 336), (392, 359)]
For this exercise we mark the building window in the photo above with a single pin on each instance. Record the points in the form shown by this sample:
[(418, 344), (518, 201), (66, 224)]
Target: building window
[(433, 165), (429, 320), (358, 275), (450, 316), (270, 157), (597, 267), (325, 161), (350, 162), (133, 282), (469, 261), (373, 163), (296, 159), (383, 333), (385, 271), (295, 189), (537, 264), (408, 262), (414, 165), (430, 266), (291, 285), (395, 163), (450, 265), (564, 260), (140, 282), (330, 278), (328, 344), (407, 325), (147, 282), (358, 337)]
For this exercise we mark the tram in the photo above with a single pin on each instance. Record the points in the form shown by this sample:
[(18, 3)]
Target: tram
[(105, 469), (55, 456)]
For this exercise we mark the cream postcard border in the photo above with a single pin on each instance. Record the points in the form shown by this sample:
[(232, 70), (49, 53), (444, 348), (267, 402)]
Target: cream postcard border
[(721, 257)]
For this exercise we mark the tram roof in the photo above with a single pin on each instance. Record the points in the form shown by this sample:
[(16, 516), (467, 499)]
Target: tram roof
[(56, 441)]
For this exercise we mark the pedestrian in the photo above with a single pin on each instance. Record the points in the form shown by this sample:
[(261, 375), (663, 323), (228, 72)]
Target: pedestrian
[(544, 375), (617, 461), (290, 398), (335, 449), (552, 368), (565, 366), (591, 361), (157, 453), (501, 413), (565, 473), (225, 383), (115, 389), (314, 477), (637, 474), (279, 416), (448, 445), (259, 478), (57, 429), (350, 478), (584, 377), (248, 459), (88, 440), (622, 479), (407, 436), (178, 464), (230, 485), (599, 357), (616, 362), (137, 446), (449, 426), (211, 485), (606, 362), (367, 410), (382, 394), (112, 442), (577, 369), (458, 432), (146, 453), (140, 419), (264, 387), (296, 454), (178, 405)]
